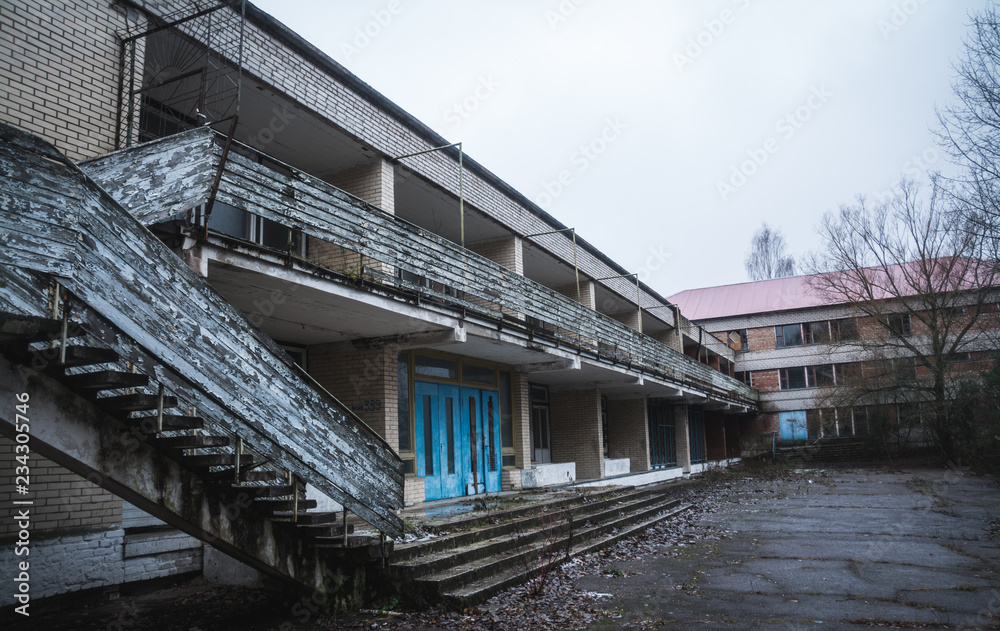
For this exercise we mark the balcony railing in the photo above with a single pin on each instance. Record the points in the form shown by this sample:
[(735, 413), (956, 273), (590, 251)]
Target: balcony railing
[(183, 166)]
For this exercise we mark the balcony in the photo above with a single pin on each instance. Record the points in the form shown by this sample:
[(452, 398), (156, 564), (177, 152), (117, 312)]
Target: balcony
[(382, 253)]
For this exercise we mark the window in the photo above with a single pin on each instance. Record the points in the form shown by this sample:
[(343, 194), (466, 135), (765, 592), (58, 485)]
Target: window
[(743, 337), (816, 332), (899, 324), (793, 378), (788, 335), (845, 330), (904, 368), (541, 451), (478, 374), (824, 375), (241, 224), (435, 367), (745, 377)]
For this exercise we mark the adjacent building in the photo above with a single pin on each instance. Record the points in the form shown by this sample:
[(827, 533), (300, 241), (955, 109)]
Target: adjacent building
[(826, 368)]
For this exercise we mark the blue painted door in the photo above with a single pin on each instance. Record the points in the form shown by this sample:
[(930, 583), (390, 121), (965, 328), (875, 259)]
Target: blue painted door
[(481, 424), (458, 440), (427, 426), (793, 426)]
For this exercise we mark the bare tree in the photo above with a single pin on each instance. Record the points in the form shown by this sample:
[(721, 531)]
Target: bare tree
[(923, 290), (969, 130), (766, 257)]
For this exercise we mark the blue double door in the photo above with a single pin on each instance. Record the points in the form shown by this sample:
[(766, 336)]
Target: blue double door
[(458, 439), (793, 426)]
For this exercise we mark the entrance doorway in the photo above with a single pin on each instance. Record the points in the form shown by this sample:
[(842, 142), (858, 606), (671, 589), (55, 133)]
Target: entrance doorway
[(458, 439), (793, 426)]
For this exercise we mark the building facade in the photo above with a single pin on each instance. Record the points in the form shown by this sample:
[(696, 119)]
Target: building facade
[(827, 369), (484, 341)]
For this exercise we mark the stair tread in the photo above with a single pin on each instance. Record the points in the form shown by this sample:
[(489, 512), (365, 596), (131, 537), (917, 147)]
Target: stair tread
[(15, 326), (313, 519), (448, 546), (192, 442), (77, 355), (493, 583), (283, 505), (269, 490), (171, 422), (106, 380), (215, 460), (136, 402), (582, 532), (489, 585), (526, 534)]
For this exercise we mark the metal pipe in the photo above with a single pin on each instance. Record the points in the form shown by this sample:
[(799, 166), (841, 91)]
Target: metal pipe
[(461, 182), (576, 266)]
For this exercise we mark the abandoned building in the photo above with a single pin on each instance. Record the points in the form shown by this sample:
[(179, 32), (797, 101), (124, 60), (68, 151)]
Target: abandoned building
[(822, 365), (226, 258)]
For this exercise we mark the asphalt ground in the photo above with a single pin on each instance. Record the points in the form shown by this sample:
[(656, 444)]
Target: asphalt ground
[(851, 549), (844, 548)]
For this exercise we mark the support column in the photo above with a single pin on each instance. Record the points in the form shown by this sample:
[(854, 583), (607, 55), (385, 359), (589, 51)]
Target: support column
[(631, 319), (508, 252), (575, 424), (682, 438), (374, 183), (587, 295), (628, 432)]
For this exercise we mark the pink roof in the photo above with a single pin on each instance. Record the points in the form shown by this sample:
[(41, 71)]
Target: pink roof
[(796, 292), (778, 294)]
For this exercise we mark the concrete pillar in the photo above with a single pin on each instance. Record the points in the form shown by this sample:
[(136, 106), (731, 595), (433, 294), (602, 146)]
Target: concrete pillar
[(522, 420), (508, 252), (374, 183), (575, 425), (587, 296), (628, 432), (683, 439), (632, 319)]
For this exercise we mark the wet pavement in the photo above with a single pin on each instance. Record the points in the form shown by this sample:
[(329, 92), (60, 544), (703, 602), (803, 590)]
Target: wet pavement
[(811, 549), (833, 550)]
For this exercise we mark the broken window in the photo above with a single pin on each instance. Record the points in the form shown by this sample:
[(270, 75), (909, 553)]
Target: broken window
[(900, 324)]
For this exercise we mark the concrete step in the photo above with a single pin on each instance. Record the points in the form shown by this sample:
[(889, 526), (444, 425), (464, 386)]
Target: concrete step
[(497, 540), (490, 525), (468, 567), (479, 590)]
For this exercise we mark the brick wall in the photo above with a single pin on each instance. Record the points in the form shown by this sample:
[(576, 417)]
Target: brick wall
[(766, 380), (761, 339), (59, 70), (413, 489), (373, 182), (63, 500), (629, 319), (365, 381), (575, 426), (508, 252), (628, 432)]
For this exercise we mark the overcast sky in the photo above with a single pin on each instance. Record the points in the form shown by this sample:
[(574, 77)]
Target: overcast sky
[(665, 131)]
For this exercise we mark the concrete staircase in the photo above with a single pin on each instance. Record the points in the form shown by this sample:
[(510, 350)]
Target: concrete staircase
[(476, 557), (146, 381)]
